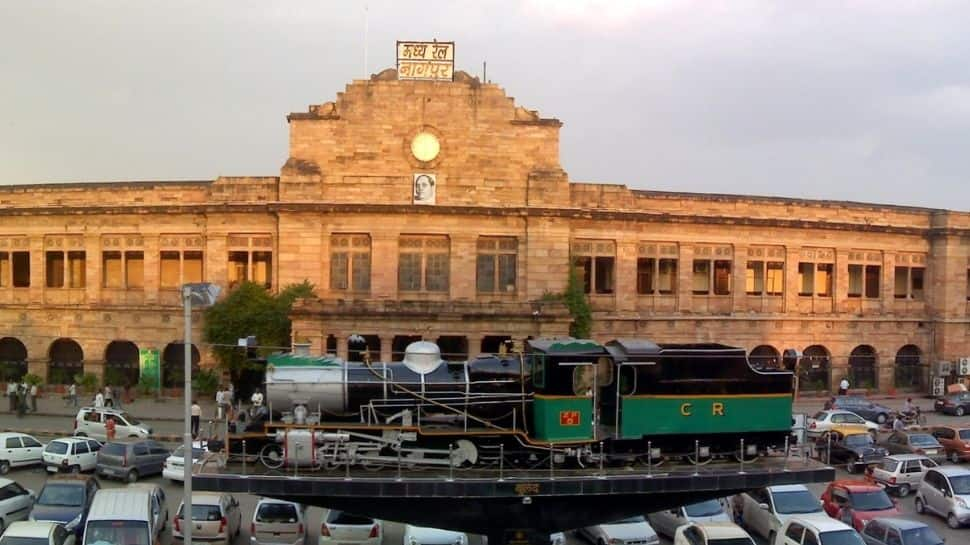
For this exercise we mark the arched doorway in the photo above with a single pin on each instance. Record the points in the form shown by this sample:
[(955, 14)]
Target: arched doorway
[(13, 359), (862, 367), (909, 367), (813, 372), (173, 364), (765, 357), (66, 361), (121, 364)]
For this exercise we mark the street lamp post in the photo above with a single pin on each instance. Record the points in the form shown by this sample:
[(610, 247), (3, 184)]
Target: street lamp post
[(204, 294)]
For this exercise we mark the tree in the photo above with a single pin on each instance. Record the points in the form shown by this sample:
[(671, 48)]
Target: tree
[(251, 310), (575, 299)]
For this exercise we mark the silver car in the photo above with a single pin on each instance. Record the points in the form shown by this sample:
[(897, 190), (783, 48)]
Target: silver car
[(898, 531), (902, 473), (666, 522), (945, 491)]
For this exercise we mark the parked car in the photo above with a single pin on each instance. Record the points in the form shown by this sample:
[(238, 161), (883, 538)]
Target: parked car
[(914, 442), (123, 516), (628, 530), (765, 510), (37, 533), (857, 451), (863, 407), (817, 531), (19, 450), (955, 441), (175, 463), (130, 460), (420, 535), (15, 502), (72, 454), (66, 500), (666, 522), (90, 422), (857, 502), (842, 422), (712, 533), (902, 473), (945, 491), (898, 531), (956, 404), (158, 504), (340, 527), (215, 517), (278, 521)]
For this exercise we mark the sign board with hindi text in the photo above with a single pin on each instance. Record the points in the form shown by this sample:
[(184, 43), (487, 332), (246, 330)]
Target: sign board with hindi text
[(149, 367), (432, 61)]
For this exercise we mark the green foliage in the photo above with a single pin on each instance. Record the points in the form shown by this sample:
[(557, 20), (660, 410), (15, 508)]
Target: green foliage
[(251, 310), (32, 379), (147, 386), (114, 376), (578, 306), (87, 382), (205, 382)]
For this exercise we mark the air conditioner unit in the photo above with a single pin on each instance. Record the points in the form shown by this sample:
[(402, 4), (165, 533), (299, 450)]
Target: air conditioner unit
[(942, 368), (938, 386), (964, 367)]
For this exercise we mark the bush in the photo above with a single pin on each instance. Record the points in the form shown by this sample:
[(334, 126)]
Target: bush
[(33, 380), (205, 382), (146, 386), (88, 383)]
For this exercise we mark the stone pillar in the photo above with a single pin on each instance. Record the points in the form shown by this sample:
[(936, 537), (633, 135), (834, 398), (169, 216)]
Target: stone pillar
[(739, 268), (38, 275), (841, 280), (887, 287), (792, 286), (474, 344), (342, 345), (386, 341), (153, 258), (626, 276), (684, 271)]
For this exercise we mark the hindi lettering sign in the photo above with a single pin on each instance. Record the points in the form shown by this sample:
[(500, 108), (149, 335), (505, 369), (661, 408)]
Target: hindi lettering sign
[(433, 61), (148, 367)]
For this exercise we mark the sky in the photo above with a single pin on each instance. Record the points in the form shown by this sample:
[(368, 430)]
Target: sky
[(860, 101)]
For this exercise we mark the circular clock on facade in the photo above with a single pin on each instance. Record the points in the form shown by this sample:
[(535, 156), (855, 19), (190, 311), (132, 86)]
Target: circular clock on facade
[(425, 146)]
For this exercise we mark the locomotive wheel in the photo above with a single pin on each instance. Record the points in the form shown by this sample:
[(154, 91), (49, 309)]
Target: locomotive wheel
[(271, 456)]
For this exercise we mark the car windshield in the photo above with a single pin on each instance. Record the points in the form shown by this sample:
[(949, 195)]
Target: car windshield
[(890, 465), (876, 500), (858, 440), (56, 447), (795, 502), (276, 512), (921, 536), (731, 541), (114, 449), (202, 512), (631, 520), (965, 435), (841, 537), (349, 519), (819, 416), (961, 484), (116, 532), (707, 508), (922, 439), (10, 540), (62, 494), (196, 452)]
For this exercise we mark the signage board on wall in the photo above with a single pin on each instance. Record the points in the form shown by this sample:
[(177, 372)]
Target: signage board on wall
[(149, 368), (432, 61)]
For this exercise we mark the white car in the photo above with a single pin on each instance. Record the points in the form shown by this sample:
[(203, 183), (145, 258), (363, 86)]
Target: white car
[(174, 469), (17, 450), (666, 522), (15, 503), (90, 422), (418, 535), (37, 533), (340, 527), (764, 511), (712, 533), (278, 521), (817, 531), (629, 530), (73, 454), (842, 421)]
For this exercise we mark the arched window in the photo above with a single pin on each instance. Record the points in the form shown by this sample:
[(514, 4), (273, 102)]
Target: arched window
[(813, 372), (13, 359), (173, 364), (66, 361), (765, 357), (909, 367), (121, 364), (862, 367)]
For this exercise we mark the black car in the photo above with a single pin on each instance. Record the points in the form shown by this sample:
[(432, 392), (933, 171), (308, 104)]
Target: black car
[(872, 412), (66, 499), (958, 404), (856, 451)]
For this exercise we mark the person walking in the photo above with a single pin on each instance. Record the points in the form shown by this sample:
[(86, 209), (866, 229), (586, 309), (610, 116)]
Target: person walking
[(21, 396), (109, 428), (220, 408), (99, 400), (12, 395), (196, 416), (72, 394), (33, 398), (108, 396), (844, 386)]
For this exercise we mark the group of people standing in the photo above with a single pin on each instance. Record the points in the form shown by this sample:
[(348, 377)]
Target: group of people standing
[(22, 397)]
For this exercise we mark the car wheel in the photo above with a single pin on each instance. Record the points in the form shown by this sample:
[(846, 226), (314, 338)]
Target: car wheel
[(961, 411), (919, 506), (954, 457), (851, 466), (4, 467), (75, 470), (132, 476), (952, 521), (903, 490), (881, 418)]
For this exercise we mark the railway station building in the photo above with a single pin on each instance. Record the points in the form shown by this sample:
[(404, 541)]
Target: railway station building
[(440, 210)]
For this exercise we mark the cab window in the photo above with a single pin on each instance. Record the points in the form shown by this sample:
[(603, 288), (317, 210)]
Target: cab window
[(30, 442), (13, 442), (81, 447), (794, 532), (810, 538)]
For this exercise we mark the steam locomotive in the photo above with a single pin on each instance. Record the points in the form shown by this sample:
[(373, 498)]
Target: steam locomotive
[(556, 401)]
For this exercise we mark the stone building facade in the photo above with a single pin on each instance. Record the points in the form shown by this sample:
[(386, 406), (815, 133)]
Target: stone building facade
[(440, 210)]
